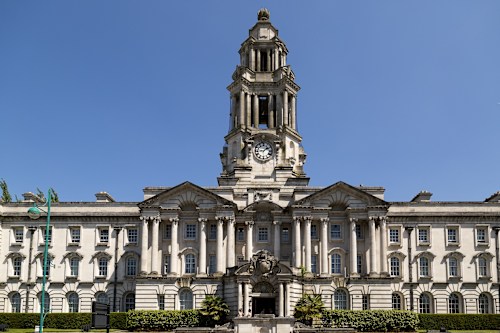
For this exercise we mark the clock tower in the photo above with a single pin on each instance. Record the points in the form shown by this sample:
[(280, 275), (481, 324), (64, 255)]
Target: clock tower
[(263, 146)]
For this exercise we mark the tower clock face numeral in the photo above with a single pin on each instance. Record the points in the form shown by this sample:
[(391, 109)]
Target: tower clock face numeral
[(263, 150)]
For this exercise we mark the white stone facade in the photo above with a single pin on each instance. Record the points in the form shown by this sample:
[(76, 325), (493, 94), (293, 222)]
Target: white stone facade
[(262, 236)]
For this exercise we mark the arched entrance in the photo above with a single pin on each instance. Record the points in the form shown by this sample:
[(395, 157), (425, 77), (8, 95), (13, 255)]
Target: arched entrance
[(263, 299)]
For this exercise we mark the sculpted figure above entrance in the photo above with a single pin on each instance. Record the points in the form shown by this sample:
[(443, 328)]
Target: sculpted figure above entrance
[(263, 263)]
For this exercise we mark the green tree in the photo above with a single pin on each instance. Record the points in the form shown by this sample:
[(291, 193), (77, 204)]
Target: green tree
[(6, 197), (214, 310), (54, 197), (308, 308)]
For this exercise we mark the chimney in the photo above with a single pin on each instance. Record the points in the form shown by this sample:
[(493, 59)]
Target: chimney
[(104, 197), (423, 196)]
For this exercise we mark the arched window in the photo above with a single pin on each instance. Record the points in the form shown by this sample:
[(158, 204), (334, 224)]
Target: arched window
[(131, 266), (423, 267), (190, 264), (454, 303), (129, 302), (340, 299), (186, 299), (484, 303), (15, 301), (73, 302), (424, 303), (396, 301), (395, 266), (336, 264), (46, 302), (102, 297), (16, 266)]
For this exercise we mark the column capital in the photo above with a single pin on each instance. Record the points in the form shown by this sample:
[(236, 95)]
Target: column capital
[(277, 223), (249, 223), (297, 219), (324, 220), (307, 219), (154, 218), (174, 220), (353, 219), (202, 220)]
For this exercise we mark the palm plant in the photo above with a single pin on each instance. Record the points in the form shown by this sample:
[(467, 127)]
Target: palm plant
[(308, 308), (214, 309)]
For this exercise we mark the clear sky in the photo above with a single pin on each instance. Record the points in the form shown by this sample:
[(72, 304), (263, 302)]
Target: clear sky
[(118, 95)]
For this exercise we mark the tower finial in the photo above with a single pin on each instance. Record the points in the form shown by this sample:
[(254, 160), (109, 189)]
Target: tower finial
[(263, 14)]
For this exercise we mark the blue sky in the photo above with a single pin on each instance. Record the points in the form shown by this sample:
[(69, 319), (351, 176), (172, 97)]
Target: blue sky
[(118, 95)]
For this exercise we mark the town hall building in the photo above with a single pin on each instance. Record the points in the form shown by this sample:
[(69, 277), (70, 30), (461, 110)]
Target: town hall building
[(262, 237)]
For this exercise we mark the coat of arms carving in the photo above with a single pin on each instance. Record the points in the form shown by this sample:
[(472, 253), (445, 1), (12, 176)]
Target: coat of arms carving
[(263, 263)]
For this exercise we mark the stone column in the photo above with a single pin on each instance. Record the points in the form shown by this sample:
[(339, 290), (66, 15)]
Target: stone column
[(276, 59), (279, 110), (285, 107), (249, 225), (270, 113), (281, 300), (268, 64), (297, 246), (155, 264), (221, 260), (354, 248), (293, 115), (246, 299), (287, 300), (249, 110), (233, 112), (258, 61), (256, 111), (307, 242), (144, 245), (231, 246), (324, 245), (373, 246), (174, 256), (277, 240), (241, 118), (252, 59), (203, 246), (383, 246)]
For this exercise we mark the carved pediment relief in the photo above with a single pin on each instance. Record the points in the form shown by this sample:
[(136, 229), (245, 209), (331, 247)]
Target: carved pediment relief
[(341, 196), (186, 196)]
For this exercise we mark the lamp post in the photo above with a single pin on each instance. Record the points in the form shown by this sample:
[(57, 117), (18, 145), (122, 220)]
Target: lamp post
[(31, 229), (34, 213)]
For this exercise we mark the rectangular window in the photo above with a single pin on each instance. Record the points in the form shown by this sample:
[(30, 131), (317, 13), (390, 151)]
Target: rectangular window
[(212, 264), (314, 231), (452, 267), (133, 235), (424, 267), (482, 267), (365, 300), (240, 234), (394, 236), (161, 302), (75, 235), (285, 235), (166, 264), (131, 266), (44, 235), (213, 232), (74, 264), (336, 264), (190, 231), (395, 266), (314, 264), (103, 267), (103, 235), (359, 263), (335, 232), (263, 234), (18, 234), (168, 231), (16, 266), (482, 235), (452, 236), (423, 235), (359, 231)]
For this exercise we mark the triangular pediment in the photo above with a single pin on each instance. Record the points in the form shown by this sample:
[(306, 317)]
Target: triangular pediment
[(184, 195), (341, 194)]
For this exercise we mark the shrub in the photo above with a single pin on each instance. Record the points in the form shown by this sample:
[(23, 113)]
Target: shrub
[(372, 320), (308, 308), (118, 320), (459, 321), (160, 320), (214, 310)]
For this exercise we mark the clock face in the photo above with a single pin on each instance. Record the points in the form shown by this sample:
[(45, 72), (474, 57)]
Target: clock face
[(263, 150)]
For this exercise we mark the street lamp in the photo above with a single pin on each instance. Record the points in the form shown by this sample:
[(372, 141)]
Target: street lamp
[(34, 213)]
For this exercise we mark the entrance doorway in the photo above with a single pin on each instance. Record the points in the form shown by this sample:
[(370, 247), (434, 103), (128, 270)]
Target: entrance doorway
[(264, 305)]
